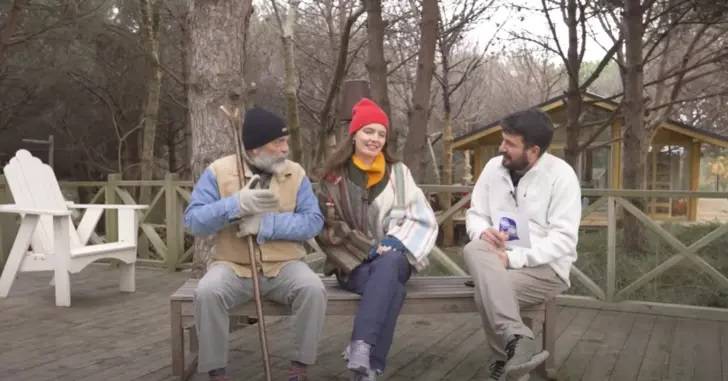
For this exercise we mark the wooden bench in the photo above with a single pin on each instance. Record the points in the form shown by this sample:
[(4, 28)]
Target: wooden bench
[(425, 295)]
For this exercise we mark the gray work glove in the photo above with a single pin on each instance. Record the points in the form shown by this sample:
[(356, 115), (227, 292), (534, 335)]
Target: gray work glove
[(249, 225), (256, 201)]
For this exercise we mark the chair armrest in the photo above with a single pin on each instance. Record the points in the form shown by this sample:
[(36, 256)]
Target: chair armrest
[(106, 206), (12, 208)]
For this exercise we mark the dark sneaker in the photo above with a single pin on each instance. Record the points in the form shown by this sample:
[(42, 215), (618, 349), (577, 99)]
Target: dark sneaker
[(218, 375), (497, 371), (523, 357), (297, 373)]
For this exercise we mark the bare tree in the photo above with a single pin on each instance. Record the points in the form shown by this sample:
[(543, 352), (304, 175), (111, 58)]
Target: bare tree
[(217, 43), (575, 14), (419, 116), (291, 81), (150, 36), (376, 64), (452, 27), (10, 26), (327, 118)]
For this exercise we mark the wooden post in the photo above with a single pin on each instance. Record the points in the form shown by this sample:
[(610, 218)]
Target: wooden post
[(478, 162), (172, 217), (111, 216), (468, 168), (8, 227), (615, 170), (611, 248), (694, 179), (652, 210)]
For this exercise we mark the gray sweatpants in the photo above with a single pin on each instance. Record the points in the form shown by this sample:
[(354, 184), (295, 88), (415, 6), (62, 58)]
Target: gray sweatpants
[(221, 290), (500, 292)]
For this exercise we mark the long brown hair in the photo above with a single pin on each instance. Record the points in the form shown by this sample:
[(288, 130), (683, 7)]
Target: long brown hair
[(339, 159)]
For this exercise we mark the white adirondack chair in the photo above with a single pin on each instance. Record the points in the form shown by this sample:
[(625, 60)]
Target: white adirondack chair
[(47, 239)]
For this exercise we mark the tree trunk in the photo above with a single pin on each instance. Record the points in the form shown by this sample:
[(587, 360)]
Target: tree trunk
[(327, 118), (13, 19), (186, 131), (171, 143), (415, 153), (217, 39), (573, 95), (448, 228), (636, 139), (150, 36), (294, 124), (376, 64)]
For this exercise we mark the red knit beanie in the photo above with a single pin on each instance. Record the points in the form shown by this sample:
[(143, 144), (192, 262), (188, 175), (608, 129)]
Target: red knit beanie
[(366, 112)]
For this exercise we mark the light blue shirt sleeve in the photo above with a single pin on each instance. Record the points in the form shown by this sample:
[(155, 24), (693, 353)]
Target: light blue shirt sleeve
[(207, 213), (305, 222)]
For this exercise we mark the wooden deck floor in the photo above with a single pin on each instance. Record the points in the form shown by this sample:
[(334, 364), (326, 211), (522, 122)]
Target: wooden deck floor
[(107, 335)]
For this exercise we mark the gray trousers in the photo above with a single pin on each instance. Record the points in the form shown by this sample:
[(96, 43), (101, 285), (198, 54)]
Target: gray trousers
[(221, 290), (500, 292)]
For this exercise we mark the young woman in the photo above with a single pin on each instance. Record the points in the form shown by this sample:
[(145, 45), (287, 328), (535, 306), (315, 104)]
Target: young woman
[(386, 233)]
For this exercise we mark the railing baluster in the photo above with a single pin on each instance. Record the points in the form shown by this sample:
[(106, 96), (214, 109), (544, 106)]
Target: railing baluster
[(611, 248), (110, 216), (172, 221)]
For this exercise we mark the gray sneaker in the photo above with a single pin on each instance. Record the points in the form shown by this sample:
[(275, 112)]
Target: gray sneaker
[(358, 356), (523, 357), (369, 376)]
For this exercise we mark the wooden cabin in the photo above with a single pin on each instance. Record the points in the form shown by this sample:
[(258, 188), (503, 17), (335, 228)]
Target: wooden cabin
[(673, 161)]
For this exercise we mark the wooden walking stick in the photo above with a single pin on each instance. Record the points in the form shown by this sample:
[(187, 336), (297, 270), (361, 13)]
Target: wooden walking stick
[(236, 124)]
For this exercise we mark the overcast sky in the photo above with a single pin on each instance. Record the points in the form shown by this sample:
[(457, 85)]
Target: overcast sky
[(535, 23)]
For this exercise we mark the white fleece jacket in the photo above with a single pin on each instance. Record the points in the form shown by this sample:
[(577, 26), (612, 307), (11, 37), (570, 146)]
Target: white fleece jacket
[(549, 195)]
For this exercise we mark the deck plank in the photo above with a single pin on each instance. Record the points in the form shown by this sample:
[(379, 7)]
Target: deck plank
[(578, 361), (123, 337), (657, 356), (707, 361), (628, 364), (724, 350), (602, 364)]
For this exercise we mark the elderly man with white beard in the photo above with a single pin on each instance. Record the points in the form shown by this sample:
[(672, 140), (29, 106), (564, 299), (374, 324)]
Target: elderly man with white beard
[(281, 212)]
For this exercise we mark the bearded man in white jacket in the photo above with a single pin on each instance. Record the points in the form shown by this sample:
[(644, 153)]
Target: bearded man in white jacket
[(527, 181)]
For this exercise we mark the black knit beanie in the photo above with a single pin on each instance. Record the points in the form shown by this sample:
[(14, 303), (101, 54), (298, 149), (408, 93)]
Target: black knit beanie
[(261, 127)]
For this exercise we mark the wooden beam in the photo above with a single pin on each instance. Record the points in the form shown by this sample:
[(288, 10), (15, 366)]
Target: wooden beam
[(466, 142), (588, 283), (694, 179), (697, 135), (663, 309)]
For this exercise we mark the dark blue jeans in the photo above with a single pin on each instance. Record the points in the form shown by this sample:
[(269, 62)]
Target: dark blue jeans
[(381, 284)]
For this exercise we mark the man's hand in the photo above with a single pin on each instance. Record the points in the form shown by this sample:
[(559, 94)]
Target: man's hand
[(255, 201), (250, 225), (497, 242), (495, 238)]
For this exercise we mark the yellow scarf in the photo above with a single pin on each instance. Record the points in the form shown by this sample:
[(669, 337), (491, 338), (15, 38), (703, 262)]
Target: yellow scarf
[(375, 171)]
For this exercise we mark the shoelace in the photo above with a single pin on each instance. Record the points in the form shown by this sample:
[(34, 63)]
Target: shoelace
[(496, 369)]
